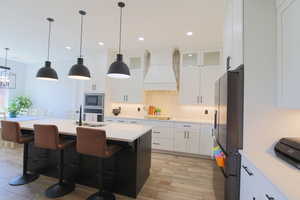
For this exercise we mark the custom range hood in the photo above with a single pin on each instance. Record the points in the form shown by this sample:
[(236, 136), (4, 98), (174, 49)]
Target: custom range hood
[(162, 70)]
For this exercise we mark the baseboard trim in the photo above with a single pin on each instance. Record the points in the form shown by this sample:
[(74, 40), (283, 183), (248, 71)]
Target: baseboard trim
[(182, 154)]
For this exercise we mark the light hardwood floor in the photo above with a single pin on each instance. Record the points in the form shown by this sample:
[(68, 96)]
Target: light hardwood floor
[(172, 178)]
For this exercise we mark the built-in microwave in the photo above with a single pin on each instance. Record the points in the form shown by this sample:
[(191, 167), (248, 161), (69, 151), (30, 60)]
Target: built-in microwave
[(94, 100)]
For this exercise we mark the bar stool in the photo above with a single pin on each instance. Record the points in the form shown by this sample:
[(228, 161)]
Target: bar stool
[(93, 142), (47, 137), (11, 132)]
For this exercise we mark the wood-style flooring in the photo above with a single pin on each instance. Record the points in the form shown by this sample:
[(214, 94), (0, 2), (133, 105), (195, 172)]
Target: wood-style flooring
[(172, 178)]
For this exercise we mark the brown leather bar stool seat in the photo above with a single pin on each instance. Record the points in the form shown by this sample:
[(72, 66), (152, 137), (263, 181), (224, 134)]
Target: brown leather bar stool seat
[(93, 142), (47, 137), (11, 132)]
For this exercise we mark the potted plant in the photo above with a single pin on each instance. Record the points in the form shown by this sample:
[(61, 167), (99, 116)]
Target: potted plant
[(18, 105)]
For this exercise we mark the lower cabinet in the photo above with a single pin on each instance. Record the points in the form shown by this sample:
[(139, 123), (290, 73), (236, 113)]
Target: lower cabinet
[(254, 185), (206, 140), (186, 141), (193, 138)]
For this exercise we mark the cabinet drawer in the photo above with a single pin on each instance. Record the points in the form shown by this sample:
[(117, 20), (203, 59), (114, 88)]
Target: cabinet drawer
[(121, 121), (250, 178), (162, 132), (155, 123), (133, 121), (162, 144), (187, 126)]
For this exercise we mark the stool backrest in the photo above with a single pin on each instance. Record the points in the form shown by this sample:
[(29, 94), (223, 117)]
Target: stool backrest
[(10, 131), (46, 136), (91, 142)]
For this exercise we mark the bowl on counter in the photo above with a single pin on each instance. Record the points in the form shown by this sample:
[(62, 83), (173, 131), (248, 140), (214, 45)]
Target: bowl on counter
[(116, 111)]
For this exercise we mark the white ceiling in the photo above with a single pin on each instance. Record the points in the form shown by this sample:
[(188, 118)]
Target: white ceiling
[(163, 23)]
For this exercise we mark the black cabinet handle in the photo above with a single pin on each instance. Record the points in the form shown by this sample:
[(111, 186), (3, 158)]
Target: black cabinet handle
[(269, 197), (156, 143), (156, 132), (247, 170)]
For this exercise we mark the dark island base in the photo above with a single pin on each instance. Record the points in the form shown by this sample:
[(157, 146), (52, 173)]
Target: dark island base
[(131, 166)]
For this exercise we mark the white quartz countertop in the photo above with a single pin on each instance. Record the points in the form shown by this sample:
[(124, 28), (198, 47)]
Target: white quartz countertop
[(187, 120), (114, 131), (284, 176)]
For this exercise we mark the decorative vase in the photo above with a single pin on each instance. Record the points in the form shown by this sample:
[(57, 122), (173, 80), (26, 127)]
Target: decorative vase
[(12, 115)]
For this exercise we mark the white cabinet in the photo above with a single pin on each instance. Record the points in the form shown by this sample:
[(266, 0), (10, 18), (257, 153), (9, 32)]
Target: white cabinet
[(206, 140), (209, 75), (288, 54), (197, 84), (187, 138), (129, 90), (254, 185), (162, 135), (190, 81), (233, 32)]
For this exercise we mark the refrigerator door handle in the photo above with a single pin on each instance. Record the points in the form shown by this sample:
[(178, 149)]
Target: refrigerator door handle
[(215, 119)]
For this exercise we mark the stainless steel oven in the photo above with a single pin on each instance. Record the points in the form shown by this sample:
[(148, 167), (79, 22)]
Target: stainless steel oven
[(94, 107)]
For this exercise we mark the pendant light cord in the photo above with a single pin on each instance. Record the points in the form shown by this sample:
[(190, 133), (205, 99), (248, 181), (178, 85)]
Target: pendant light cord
[(120, 33), (6, 50), (81, 35), (49, 37)]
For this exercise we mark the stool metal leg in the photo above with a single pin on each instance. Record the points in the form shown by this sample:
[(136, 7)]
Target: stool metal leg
[(102, 194), (26, 177), (62, 187)]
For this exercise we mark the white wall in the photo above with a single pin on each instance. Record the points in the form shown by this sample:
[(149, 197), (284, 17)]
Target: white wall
[(264, 122), (63, 97)]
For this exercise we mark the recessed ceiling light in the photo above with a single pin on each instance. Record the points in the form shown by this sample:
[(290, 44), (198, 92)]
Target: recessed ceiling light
[(141, 39), (190, 55), (101, 43), (68, 47), (189, 33)]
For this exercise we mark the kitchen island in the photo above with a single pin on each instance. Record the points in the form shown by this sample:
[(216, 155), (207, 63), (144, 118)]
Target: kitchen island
[(132, 164)]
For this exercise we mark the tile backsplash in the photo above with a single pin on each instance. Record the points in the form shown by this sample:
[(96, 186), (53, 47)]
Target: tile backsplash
[(168, 102)]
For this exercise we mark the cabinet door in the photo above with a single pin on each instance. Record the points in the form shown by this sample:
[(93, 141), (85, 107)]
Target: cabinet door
[(288, 54), (228, 30), (238, 32), (192, 145), (117, 89), (190, 85), (209, 75), (247, 191), (180, 140), (134, 87), (206, 140), (233, 32)]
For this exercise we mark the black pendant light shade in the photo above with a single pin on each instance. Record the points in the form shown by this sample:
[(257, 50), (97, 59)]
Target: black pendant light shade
[(119, 69), (46, 72), (79, 71)]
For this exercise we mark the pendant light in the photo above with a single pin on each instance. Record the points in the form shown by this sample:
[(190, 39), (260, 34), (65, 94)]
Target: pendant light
[(7, 78), (119, 69), (79, 71), (46, 72)]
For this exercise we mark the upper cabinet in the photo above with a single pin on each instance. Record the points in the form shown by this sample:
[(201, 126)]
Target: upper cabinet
[(233, 33), (288, 53), (198, 74), (129, 90)]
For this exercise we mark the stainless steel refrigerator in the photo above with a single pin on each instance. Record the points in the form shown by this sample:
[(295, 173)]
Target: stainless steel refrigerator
[(228, 131)]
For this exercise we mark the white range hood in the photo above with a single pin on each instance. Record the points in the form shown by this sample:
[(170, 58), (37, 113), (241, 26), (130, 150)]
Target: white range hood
[(161, 74)]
